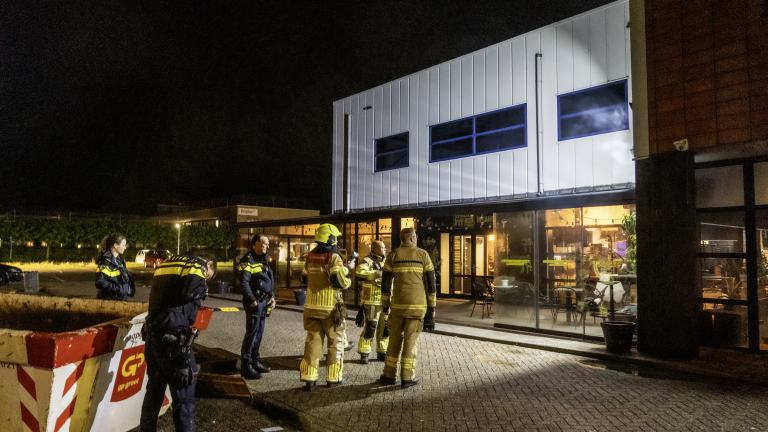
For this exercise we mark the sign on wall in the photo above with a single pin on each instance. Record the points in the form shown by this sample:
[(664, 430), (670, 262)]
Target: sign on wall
[(248, 211)]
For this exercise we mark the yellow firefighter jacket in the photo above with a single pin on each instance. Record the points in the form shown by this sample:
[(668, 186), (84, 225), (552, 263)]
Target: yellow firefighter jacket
[(408, 282), (366, 273), (321, 270)]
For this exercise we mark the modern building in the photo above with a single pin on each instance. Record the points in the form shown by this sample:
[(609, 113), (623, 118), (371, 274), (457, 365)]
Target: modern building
[(524, 165)]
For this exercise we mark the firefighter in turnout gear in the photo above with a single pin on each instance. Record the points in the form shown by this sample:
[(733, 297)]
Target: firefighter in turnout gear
[(408, 287), (324, 314), (369, 272), (178, 288)]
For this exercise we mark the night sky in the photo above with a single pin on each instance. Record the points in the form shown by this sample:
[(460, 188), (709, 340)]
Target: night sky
[(117, 106)]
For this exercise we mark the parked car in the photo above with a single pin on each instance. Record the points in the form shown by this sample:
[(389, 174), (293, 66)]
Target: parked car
[(10, 274), (140, 256), (155, 257)]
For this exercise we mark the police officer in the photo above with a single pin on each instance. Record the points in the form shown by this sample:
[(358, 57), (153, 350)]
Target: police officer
[(324, 314), (369, 272), (257, 283), (113, 281), (178, 287), (408, 287)]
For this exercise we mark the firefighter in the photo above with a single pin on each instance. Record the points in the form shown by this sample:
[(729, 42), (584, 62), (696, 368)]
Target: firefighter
[(257, 284), (113, 280), (324, 313), (369, 272), (178, 287), (408, 287)]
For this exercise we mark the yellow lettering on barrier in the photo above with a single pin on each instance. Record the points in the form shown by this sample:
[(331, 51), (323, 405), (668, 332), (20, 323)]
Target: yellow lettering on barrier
[(229, 309)]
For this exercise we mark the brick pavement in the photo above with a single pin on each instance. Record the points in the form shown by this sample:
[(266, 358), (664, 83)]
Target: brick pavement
[(471, 385)]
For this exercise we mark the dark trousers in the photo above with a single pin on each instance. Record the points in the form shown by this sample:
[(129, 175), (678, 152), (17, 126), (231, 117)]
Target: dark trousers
[(159, 374), (254, 329)]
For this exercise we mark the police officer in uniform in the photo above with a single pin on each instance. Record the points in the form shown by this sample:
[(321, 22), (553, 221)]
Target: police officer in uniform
[(257, 283), (369, 272), (324, 314), (178, 287), (113, 280), (408, 287)]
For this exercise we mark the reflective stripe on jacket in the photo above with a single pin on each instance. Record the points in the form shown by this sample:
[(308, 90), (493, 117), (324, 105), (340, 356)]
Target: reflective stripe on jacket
[(413, 281), (321, 293), (366, 273), (112, 279)]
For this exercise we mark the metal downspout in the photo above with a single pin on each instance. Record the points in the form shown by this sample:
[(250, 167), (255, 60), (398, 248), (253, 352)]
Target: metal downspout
[(539, 133)]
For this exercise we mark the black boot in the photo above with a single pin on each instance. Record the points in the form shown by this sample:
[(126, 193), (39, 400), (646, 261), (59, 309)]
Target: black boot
[(311, 386), (350, 345), (409, 383), (363, 358), (386, 380), (335, 384), (381, 356), (249, 373), (260, 367)]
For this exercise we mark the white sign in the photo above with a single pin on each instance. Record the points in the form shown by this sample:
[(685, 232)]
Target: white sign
[(248, 211)]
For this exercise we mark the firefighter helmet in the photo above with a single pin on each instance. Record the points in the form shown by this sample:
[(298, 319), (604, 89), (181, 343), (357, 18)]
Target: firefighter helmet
[(327, 233)]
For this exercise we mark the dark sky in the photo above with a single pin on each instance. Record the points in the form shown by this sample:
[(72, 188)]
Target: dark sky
[(118, 106)]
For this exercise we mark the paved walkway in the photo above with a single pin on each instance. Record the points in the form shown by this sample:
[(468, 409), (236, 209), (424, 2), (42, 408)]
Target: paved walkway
[(469, 384)]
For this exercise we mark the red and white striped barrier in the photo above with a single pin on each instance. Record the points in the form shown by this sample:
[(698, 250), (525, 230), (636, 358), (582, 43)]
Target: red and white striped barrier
[(92, 379)]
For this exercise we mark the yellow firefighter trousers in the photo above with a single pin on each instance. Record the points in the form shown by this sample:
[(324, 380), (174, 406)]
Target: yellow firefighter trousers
[(403, 335), (317, 330), (364, 345)]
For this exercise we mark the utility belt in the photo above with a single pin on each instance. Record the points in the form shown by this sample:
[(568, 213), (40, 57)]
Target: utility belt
[(261, 295)]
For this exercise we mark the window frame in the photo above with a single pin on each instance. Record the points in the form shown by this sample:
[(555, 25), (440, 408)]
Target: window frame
[(475, 134), (625, 81), (406, 150)]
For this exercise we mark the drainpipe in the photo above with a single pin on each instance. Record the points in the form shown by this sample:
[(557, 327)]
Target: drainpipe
[(539, 132)]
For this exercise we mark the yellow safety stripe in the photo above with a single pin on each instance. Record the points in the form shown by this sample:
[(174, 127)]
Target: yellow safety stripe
[(390, 361), (429, 267), (399, 306), (253, 268), (308, 373), (387, 267), (406, 269), (110, 273), (364, 345), (179, 270), (432, 299), (381, 345), (335, 372), (323, 299), (409, 363)]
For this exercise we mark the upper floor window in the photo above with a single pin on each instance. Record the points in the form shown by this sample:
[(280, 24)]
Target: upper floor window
[(391, 152), (593, 111), (495, 131)]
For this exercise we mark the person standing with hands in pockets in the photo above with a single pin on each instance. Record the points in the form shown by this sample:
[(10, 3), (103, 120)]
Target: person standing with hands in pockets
[(257, 284)]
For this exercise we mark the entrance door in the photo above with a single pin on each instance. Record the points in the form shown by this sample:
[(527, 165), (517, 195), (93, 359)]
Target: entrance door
[(472, 261)]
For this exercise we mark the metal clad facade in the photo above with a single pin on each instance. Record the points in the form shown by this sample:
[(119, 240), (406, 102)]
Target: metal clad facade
[(579, 53)]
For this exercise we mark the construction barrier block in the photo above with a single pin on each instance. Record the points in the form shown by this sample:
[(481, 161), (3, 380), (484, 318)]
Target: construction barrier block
[(73, 365)]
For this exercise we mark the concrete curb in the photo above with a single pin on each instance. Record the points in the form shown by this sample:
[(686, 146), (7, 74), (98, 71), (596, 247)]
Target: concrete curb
[(281, 411)]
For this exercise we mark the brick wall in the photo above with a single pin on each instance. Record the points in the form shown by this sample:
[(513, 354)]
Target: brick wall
[(707, 72)]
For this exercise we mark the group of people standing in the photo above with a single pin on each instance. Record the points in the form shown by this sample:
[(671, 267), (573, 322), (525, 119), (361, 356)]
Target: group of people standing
[(398, 302)]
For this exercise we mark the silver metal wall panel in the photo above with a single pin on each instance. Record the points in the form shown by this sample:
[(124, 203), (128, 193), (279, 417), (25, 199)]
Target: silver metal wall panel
[(506, 171), (564, 57), (394, 187), (367, 175), (455, 89), (581, 60), (582, 149), (378, 104), (479, 176), (429, 102), (520, 68), (492, 78), (532, 46), (419, 98), (455, 179), (396, 108), (445, 93), (405, 186), (378, 191), (522, 171), (492, 174), (598, 48), (404, 104), (505, 74), (549, 108), (622, 164), (386, 111), (337, 173), (602, 172), (467, 95), (478, 82), (467, 178), (566, 167), (616, 32), (434, 182), (445, 181)]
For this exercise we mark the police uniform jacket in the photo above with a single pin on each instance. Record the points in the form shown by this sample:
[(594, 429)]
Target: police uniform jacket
[(366, 273), (178, 287), (113, 280), (256, 278), (408, 282), (325, 274)]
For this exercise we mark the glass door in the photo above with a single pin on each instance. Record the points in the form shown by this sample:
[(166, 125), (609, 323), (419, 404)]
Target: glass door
[(472, 260)]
